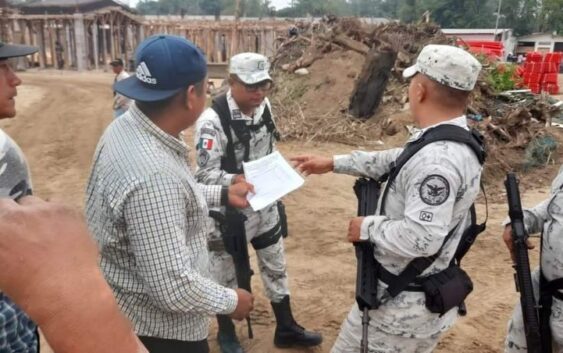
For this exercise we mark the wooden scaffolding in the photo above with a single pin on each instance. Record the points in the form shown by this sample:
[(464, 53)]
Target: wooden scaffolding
[(88, 34)]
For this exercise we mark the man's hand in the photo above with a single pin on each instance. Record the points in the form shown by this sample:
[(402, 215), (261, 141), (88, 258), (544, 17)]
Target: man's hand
[(40, 241), (244, 306), (507, 237), (239, 178), (49, 268), (308, 164), (354, 229), (238, 192)]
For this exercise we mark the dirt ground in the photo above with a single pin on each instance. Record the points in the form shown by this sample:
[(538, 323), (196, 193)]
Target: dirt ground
[(61, 116)]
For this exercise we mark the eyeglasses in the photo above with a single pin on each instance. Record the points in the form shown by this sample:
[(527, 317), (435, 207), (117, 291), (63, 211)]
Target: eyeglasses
[(265, 86)]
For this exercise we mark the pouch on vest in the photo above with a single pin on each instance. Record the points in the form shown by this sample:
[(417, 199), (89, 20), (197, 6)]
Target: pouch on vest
[(446, 289)]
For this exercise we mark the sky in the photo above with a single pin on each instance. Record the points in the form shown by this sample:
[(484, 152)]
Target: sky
[(278, 4)]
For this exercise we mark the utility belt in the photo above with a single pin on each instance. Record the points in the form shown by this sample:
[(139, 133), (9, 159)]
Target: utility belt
[(264, 240), (443, 291)]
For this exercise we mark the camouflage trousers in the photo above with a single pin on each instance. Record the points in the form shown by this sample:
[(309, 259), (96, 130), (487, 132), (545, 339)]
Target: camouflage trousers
[(271, 260), (350, 337), (516, 339)]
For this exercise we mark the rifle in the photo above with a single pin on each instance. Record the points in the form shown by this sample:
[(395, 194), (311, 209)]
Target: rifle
[(521, 264), (367, 191), (233, 233)]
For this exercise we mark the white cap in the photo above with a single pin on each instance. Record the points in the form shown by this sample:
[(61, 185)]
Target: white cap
[(250, 68), (448, 65)]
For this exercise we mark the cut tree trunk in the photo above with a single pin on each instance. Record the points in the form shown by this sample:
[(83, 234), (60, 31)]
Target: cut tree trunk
[(372, 81)]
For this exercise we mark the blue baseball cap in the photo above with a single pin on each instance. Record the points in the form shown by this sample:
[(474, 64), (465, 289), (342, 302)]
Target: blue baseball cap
[(165, 66)]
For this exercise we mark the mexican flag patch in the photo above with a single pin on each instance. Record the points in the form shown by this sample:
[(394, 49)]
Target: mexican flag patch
[(205, 144)]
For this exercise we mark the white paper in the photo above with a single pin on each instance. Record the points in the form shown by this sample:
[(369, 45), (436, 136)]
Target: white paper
[(272, 178)]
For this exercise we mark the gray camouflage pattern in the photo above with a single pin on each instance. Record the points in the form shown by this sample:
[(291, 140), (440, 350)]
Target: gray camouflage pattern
[(210, 138), (448, 65), (431, 195), (547, 216)]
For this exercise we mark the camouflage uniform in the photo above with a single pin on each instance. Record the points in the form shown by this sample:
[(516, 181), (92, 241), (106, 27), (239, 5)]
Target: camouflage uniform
[(431, 195), (547, 217), (211, 143)]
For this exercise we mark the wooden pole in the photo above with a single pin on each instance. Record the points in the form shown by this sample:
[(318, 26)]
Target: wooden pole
[(41, 40), (52, 44), (111, 35), (95, 44), (68, 45), (104, 43)]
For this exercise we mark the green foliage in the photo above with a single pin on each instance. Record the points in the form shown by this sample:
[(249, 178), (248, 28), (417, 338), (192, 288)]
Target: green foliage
[(539, 152), (502, 77), (524, 16)]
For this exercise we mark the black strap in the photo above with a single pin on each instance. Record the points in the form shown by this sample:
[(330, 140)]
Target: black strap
[(221, 107), (229, 162), (414, 269), (445, 132), (269, 238), (474, 229), (554, 286)]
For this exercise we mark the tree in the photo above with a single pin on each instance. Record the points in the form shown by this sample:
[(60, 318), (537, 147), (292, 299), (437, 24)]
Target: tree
[(211, 7), (520, 15), (407, 11), (551, 16)]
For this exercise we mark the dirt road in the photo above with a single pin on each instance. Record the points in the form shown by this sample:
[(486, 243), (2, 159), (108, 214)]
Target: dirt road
[(60, 118)]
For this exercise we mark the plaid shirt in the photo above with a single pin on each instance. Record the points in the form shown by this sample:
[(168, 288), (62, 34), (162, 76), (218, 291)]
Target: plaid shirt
[(18, 334), (150, 219)]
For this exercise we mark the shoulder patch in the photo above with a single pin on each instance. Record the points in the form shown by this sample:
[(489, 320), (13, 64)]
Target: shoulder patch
[(202, 158), (434, 190)]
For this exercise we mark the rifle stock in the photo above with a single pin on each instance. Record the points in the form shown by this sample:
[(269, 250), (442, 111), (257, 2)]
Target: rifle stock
[(367, 191), (521, 264)]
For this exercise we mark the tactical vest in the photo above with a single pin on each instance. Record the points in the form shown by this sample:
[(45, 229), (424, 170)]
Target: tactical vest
[(409, 278), (230, 165), (242, 132)]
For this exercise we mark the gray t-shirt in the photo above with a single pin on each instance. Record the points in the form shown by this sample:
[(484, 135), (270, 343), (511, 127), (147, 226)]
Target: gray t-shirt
[(15, 180), (17, 332)]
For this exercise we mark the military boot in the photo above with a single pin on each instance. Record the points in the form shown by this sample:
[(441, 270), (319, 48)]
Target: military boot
[(226, 336), (288, 332)]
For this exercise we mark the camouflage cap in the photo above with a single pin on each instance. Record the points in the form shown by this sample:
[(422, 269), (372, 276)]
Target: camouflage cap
[(448, 65), (250, 68)]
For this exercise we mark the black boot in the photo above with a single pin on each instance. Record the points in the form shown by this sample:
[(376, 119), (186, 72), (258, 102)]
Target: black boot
[(226, 336), (288, 332)]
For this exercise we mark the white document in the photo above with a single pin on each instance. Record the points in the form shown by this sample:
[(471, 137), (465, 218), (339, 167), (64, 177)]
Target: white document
[(272, 178)]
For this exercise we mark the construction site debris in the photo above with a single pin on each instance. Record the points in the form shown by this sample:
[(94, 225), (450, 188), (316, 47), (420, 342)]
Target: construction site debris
[(355, 71)]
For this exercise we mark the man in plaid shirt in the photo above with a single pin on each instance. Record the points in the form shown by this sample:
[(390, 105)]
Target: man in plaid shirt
[(147, 212)]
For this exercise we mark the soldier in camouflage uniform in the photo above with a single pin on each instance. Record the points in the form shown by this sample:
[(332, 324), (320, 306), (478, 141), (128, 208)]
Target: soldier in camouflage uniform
[(546, 217), (429, 200), (245, 112)]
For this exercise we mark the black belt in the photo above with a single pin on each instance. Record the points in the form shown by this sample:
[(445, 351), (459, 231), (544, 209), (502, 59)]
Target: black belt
[(387, 278)]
